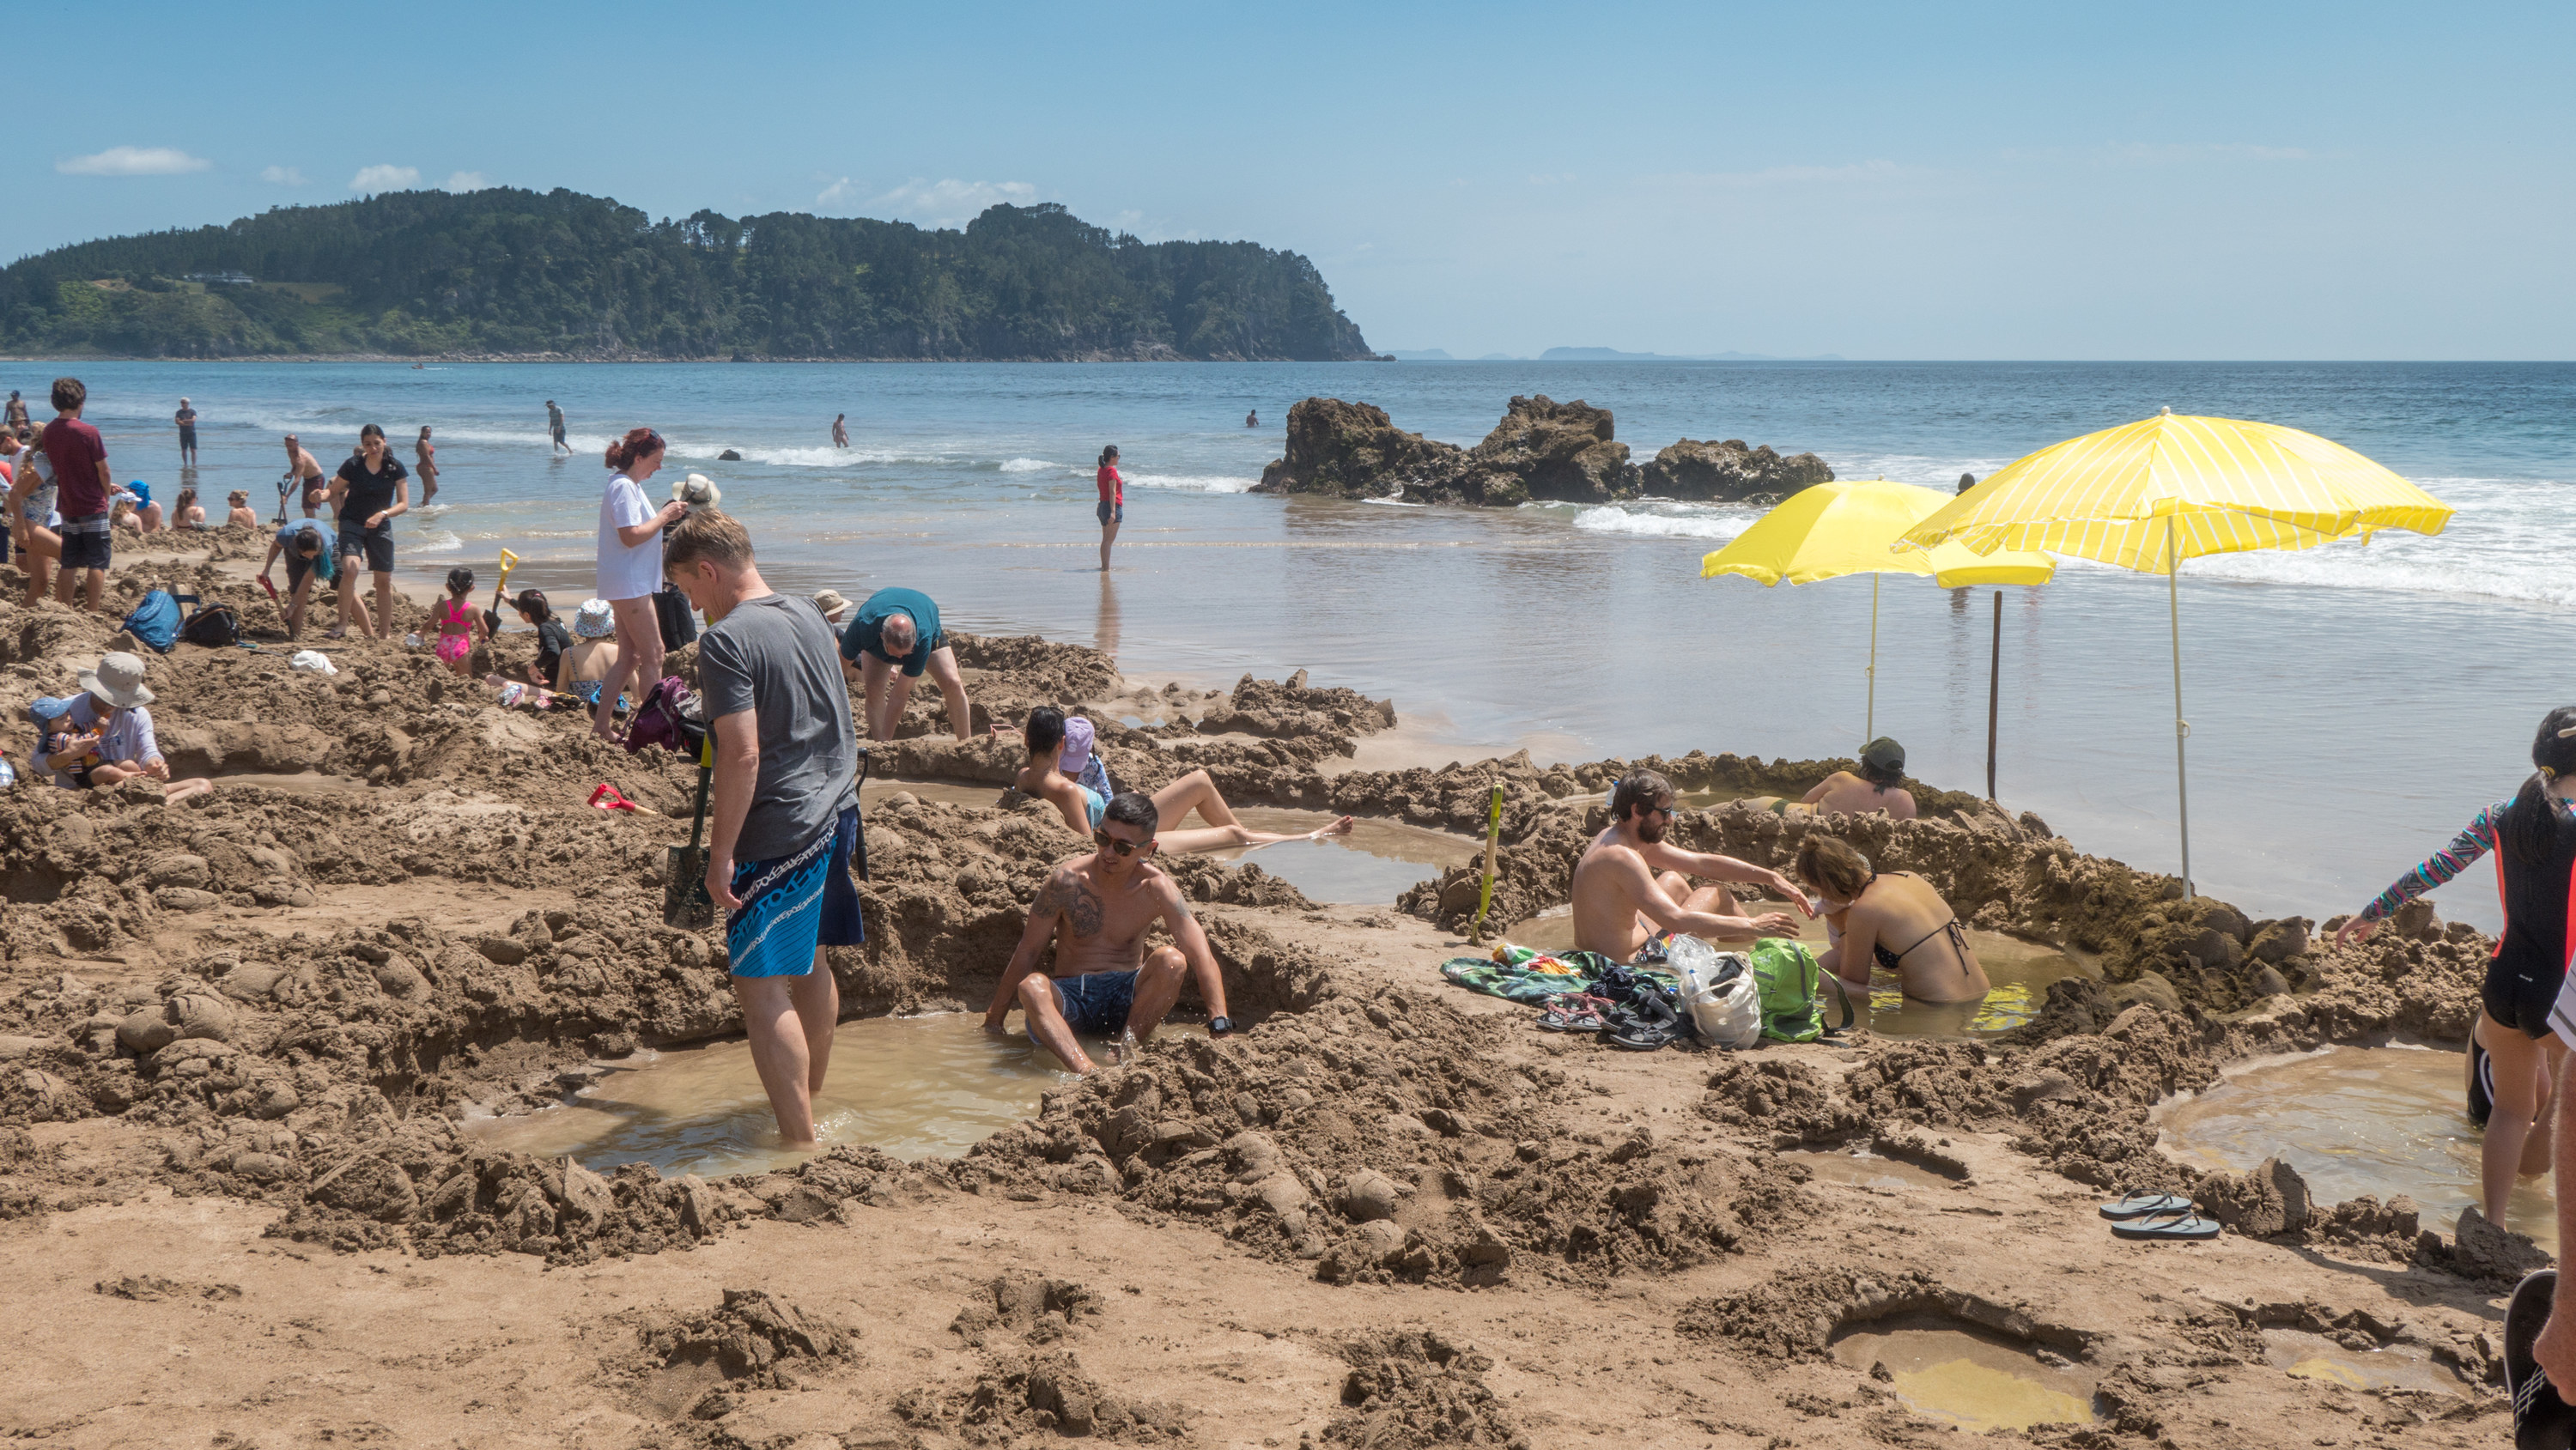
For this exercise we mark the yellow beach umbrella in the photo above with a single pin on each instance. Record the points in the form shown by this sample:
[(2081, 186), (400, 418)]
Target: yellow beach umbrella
[(2150, 494), (1842, 528)]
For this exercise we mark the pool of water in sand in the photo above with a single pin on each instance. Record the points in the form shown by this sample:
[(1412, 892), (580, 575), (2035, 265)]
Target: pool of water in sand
[(911, 1086), (1973, 1381), (2019, 972), (2354, 1120)]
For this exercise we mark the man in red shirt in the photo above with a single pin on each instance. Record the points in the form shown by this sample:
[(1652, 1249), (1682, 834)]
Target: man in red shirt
[(79, 457)]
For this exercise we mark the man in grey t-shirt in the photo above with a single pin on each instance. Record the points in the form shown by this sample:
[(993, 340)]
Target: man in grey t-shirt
[(785, 806)]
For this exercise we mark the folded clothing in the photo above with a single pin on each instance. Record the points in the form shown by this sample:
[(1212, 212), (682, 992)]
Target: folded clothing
[(1532, 987)]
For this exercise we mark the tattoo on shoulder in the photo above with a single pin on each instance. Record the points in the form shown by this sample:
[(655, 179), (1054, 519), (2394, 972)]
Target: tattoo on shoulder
[(1067, 895)]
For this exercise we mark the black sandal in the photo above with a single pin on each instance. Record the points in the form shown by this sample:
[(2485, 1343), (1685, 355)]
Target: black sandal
[(1652, 1023)]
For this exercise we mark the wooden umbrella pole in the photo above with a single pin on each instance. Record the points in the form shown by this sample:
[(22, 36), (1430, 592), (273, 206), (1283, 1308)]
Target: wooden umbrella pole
[(2182, 727), (1994, 693)]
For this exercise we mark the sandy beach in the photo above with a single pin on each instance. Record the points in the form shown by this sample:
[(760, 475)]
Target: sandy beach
[(254, 1044)]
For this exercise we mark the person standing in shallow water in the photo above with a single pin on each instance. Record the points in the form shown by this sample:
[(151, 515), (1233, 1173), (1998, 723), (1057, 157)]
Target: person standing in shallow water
[(186, 418), (841, 430), (555, 426), (784, 808), (1113, 502), (427, 454)]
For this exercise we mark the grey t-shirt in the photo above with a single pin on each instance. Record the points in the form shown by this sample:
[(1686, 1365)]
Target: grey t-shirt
[(776, 657)]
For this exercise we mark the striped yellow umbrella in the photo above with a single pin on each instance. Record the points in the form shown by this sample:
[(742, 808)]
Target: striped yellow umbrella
[(2150, 494), (1842, 528)]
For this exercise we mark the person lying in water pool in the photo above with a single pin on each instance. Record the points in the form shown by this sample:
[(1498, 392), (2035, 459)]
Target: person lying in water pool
[(1103, 983), (1879, 788), (1632, 883), (1893, 920), (1043, 777)]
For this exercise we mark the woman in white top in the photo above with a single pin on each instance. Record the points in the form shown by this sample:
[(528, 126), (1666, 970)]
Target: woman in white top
[(630, 568)]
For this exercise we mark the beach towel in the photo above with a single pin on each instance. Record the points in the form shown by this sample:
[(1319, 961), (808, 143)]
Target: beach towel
[(1530, 986)]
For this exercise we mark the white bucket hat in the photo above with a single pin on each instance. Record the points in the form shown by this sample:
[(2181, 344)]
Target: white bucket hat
[(594, 620), (697, 491), (117, 681)]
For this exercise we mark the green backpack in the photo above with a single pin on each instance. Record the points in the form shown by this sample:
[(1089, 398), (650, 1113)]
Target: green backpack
[(1791, 981)]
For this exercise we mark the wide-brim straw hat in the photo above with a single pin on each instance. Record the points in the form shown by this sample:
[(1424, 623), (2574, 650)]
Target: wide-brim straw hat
[(117, 681), (697, 491), (594, 620)]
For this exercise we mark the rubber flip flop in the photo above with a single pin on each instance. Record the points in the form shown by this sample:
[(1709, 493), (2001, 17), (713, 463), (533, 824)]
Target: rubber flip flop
[(1652, 1025), (2166, 1226), (1552, 1015), (1584, 1015), (2541, 1420), (2141, 1204)]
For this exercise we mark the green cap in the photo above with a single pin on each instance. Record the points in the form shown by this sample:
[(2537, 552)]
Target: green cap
[(1883, 754)]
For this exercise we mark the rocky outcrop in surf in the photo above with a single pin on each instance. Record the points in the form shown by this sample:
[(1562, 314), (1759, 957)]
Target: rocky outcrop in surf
[(1542, 451)]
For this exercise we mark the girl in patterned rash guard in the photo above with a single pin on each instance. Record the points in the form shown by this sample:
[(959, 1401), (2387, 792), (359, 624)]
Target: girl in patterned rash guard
[(2533, 839)]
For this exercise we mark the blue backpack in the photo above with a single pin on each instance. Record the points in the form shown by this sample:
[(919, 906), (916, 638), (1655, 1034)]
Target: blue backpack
[(155, 621)]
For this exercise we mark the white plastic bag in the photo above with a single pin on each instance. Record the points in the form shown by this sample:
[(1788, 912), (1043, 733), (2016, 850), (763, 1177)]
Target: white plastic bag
[(314, 660), (1726, 1006)]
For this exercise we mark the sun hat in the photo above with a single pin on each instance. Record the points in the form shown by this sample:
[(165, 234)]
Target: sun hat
[(1077, 744), (697, 491), (117, 681), (594, 620), (831, 603)]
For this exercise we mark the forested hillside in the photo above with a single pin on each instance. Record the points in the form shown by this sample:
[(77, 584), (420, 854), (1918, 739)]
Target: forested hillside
[(515, 272)]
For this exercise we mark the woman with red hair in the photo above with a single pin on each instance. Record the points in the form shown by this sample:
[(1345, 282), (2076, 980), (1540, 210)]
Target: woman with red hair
[(630, 568)]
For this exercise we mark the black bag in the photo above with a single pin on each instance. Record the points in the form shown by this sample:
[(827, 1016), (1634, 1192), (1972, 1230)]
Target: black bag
[(214, 626), (671, 612)]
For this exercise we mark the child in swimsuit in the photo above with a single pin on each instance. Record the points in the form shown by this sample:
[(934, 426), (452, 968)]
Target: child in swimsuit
[(456, 620)]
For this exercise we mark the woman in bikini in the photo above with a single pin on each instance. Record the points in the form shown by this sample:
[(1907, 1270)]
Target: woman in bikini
[(2533, 839), (1082, 806), (427, 453), (1895, 920)]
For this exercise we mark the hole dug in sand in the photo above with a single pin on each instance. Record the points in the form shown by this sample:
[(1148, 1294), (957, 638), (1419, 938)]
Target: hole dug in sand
[(1967, 1375)]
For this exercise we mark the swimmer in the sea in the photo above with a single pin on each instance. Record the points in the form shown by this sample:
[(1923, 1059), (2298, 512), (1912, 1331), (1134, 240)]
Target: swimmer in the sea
[(1893, 920), (1879, 788), (1044, 778), (1632, 883)]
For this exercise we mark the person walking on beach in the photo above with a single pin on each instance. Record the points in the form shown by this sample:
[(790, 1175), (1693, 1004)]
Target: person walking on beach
[(369, 493), (784, 822), (1113, 502), (555, 426), (630, 568), (303, 476), (427, 454), (892, 640), (79, 461), (186, 418), (1632, 883), (841, 430), (2532, 836)]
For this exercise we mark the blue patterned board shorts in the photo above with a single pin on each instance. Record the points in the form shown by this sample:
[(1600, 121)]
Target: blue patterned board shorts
[(1096, 1004), (794, 904)]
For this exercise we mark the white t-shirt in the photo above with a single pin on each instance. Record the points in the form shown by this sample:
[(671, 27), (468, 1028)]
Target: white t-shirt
[(626, 573)]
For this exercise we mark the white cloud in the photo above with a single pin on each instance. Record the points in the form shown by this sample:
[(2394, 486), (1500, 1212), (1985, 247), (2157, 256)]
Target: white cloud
[(133, 161), (838, 193), (464, 181), (385, 178), (282, 176), (950, 202)]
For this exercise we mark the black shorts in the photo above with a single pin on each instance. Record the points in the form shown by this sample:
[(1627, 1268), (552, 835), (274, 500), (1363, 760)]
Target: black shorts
[(297, 566), (1111, 513), (377, 544), (188, 435), (90, 549), (2520, 998)]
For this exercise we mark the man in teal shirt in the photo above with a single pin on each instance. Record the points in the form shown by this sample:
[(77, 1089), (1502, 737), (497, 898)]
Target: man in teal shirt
[(892, 639)]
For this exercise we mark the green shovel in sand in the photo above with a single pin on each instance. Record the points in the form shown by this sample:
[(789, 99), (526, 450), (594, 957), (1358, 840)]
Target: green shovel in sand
[(685, 903)]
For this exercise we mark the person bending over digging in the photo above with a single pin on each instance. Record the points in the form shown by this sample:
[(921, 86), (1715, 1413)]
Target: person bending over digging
[(1043, 777), (1632, 883), (784, 816), (1097, 909), (891, 642)]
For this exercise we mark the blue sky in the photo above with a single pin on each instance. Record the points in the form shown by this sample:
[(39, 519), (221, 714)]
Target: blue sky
[(1885, 181)]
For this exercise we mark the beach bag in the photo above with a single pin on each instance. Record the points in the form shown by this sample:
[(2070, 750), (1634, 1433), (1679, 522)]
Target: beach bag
[(215, 626), (155, 621), (1788, 978), (672, 617), (670, 717), (1718, 991)]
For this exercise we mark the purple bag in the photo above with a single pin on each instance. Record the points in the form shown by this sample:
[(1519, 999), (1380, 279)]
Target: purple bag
[(670, 717)]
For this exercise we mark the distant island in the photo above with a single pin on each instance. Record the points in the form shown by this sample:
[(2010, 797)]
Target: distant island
[(513, 273), (1603, 354)]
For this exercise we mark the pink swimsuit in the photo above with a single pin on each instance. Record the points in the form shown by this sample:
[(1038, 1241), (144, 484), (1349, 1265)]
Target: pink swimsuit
[(455, 629)]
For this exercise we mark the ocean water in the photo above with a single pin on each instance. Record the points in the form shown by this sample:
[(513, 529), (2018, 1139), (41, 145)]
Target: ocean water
[(2351, 707)]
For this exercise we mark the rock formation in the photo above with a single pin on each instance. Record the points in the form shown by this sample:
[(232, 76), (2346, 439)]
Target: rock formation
[(1729, 472), (1542, 450)]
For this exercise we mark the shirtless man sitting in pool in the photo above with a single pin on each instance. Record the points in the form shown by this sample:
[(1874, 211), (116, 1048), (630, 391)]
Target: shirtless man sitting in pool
[(1631, 883), (1097, 909)]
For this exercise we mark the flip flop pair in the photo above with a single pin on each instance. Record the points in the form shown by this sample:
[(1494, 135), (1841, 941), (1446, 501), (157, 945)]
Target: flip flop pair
[(2157, 1216), (1572, 1012), (1651, 1023)]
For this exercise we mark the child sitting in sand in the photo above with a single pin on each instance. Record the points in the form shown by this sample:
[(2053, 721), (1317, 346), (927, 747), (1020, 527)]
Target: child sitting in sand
[(552, 641), (594, 651), (457, 621), (241, 513)]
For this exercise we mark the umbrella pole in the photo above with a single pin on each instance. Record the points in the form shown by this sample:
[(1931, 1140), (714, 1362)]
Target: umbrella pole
[(2182, 727), (1869, 730), (1994, 693)]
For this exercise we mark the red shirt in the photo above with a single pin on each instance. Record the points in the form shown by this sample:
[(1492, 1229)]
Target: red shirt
[(1113, 489), (77, 451)]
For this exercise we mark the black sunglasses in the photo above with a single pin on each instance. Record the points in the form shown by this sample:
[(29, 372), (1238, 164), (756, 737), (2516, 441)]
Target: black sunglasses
[(1109, 842)]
